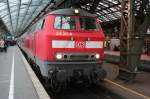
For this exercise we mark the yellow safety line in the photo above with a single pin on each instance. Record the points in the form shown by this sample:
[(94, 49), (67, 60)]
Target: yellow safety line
[(125, 88)]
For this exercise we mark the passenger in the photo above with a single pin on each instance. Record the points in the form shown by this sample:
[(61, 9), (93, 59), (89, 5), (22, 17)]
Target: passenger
[(5, 46), (2, 44)]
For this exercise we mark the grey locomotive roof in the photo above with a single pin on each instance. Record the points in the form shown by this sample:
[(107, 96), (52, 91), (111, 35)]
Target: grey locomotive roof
[(70, 11)]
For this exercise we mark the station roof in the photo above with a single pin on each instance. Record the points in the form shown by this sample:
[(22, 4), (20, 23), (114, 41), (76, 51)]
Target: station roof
[(106, 10), (18, 14)]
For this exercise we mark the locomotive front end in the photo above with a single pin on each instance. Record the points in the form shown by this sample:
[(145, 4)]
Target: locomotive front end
[(76, 49)]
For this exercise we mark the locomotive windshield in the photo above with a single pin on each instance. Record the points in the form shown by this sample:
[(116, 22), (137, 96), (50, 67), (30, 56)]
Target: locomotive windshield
[(65, 22), (88, 23), (69, 23)]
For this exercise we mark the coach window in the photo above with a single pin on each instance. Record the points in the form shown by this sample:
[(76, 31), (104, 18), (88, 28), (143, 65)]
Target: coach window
[(43, 22)]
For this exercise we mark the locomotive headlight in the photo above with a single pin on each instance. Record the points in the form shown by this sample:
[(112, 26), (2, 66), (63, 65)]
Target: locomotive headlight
[(76, 11), (59, 56), (97, 56)]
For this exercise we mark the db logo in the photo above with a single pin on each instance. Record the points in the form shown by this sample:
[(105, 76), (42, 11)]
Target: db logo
[(79, 44)]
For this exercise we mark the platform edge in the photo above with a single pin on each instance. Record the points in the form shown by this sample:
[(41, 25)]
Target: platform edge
[(42, 94)]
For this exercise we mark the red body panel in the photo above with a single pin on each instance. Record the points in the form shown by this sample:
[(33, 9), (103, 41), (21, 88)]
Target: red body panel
[(39, 43)]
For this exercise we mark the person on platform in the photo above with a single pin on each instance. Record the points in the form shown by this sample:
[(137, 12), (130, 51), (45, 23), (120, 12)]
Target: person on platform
[(2, 45), (5, 45)]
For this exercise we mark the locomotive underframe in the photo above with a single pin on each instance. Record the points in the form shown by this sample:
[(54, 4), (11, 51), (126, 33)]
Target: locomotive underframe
[(76, 71)]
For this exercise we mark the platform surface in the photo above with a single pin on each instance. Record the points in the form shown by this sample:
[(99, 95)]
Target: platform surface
[(113, 57), (140, 86), (117, 53), (14, 79)]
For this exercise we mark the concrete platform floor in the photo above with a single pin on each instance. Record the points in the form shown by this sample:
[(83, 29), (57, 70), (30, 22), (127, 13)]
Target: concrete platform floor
[(14, 80), (117, 53), (140, 86), (114, 57)]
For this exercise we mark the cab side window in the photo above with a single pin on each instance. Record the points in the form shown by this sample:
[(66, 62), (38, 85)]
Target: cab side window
[(43, 23), (57, 24), (38, 26)]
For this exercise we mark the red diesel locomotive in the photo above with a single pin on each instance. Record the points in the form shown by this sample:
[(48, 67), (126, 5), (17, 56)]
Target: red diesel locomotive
[(66, 45)]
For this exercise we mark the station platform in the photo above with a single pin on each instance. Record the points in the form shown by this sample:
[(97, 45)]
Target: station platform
[(137, 89), (114, 57), (15, 81)]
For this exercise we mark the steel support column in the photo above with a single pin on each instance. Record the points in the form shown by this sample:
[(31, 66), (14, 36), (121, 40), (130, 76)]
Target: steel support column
[(129, 54), (131, 36)]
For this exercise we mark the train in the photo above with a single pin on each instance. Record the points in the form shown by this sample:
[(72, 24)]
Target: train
[(67, 45), (10, 41)]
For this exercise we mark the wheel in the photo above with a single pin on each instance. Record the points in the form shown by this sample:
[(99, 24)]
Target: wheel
[(46, 82), (55, 85), (87, 81)]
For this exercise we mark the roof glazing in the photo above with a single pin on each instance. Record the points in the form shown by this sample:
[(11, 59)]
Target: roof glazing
[(107, 9), (17, 14)]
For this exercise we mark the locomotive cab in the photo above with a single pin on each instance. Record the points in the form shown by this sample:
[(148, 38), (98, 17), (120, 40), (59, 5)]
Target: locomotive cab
[(76, 51), (79, 33)]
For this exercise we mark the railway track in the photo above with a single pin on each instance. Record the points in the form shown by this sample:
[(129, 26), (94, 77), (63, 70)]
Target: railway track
[(79, 92)]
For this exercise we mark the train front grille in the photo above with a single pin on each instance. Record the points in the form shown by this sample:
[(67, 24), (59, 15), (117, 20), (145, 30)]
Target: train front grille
[(79, 56), (76, 57)]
